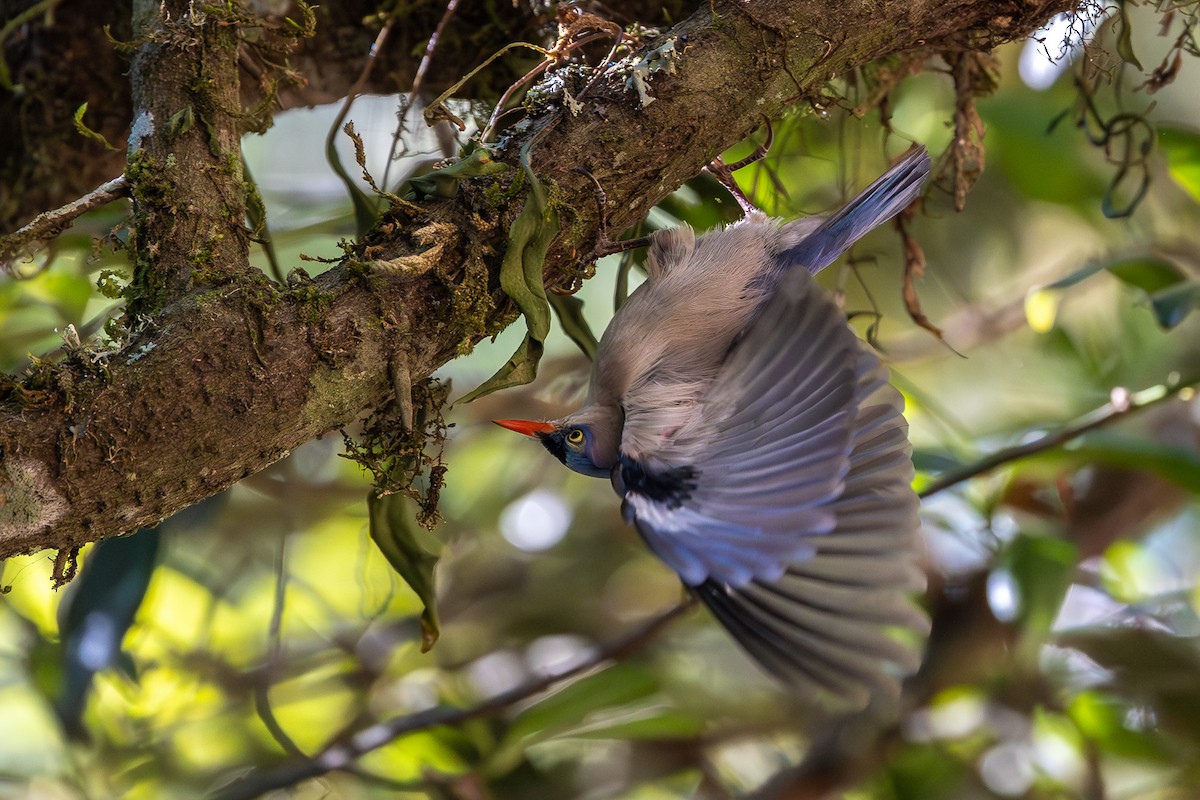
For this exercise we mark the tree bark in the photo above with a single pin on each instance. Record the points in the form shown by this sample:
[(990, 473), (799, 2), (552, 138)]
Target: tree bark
[(61, 58), (230, 375)]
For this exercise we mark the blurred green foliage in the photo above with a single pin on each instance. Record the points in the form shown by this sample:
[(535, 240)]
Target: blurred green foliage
[(1064, 588)]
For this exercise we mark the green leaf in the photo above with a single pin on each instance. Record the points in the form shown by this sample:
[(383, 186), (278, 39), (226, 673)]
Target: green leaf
[(1125, 37), (412, 552), (1148, 273), (571, 708), (1042, 567), (521, 279), (1174, 303), (1172, 294), (1181, 146), (520, 369), (180, 123), (1179, 465), (934, 461), (640, 723), (569, 310), (96, 614), (1104, 720), (444, 182), (1152, 666), (88, 132)]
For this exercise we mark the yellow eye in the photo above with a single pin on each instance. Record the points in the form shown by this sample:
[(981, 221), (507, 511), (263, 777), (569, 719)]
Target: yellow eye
[(575, 436)]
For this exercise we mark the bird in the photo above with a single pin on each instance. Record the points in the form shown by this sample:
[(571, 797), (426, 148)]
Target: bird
[(757, 445)]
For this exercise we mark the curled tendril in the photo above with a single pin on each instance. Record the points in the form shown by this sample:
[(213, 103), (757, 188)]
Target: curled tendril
[(1128, 141)]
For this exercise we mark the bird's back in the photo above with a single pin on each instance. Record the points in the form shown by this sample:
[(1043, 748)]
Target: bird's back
[(666, 344)]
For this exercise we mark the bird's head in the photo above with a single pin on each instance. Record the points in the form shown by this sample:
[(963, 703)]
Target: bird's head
[(583, 445)]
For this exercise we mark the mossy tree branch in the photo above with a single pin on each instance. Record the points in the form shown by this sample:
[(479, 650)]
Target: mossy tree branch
[(185, 163), (226, 379)]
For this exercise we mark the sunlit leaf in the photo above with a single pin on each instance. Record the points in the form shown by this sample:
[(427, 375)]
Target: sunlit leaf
[(1123, 563), (1181, 146), (84, 130), (1104, 721)]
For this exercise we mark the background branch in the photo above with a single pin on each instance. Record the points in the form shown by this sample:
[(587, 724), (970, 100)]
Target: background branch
[(1122, 405), (364, 741), (45, 226)]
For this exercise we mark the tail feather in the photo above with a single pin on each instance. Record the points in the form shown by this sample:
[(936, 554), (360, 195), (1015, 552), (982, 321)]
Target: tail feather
[(879, 202)]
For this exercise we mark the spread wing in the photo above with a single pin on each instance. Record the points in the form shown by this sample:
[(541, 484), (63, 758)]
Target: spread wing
[(785, 504)]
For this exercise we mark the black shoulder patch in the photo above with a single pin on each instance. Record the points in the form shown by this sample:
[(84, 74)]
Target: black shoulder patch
[(669, 487)]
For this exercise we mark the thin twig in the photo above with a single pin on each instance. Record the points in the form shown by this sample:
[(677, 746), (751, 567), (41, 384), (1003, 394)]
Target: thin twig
[(262, 688), (552, 58), (1122, 404), (372, 738), (418, 84), (49, 224), (357, 195)]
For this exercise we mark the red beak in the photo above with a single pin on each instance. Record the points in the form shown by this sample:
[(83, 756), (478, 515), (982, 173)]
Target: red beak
[(525, 426)]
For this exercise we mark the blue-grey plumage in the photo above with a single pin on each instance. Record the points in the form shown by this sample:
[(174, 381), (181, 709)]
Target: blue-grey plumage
[(757, 445)]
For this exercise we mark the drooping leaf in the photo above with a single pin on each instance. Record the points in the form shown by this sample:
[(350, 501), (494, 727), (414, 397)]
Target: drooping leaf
[(411, 550), (99, 610), (1174, 303), (569, 310), (1148, 272), (87, 132), (1172, 295), (521, 279), (1125, 37), (518, 370), (1086, 271)]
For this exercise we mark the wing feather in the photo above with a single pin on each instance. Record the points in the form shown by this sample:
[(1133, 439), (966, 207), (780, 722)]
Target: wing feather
[(798, 529)]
